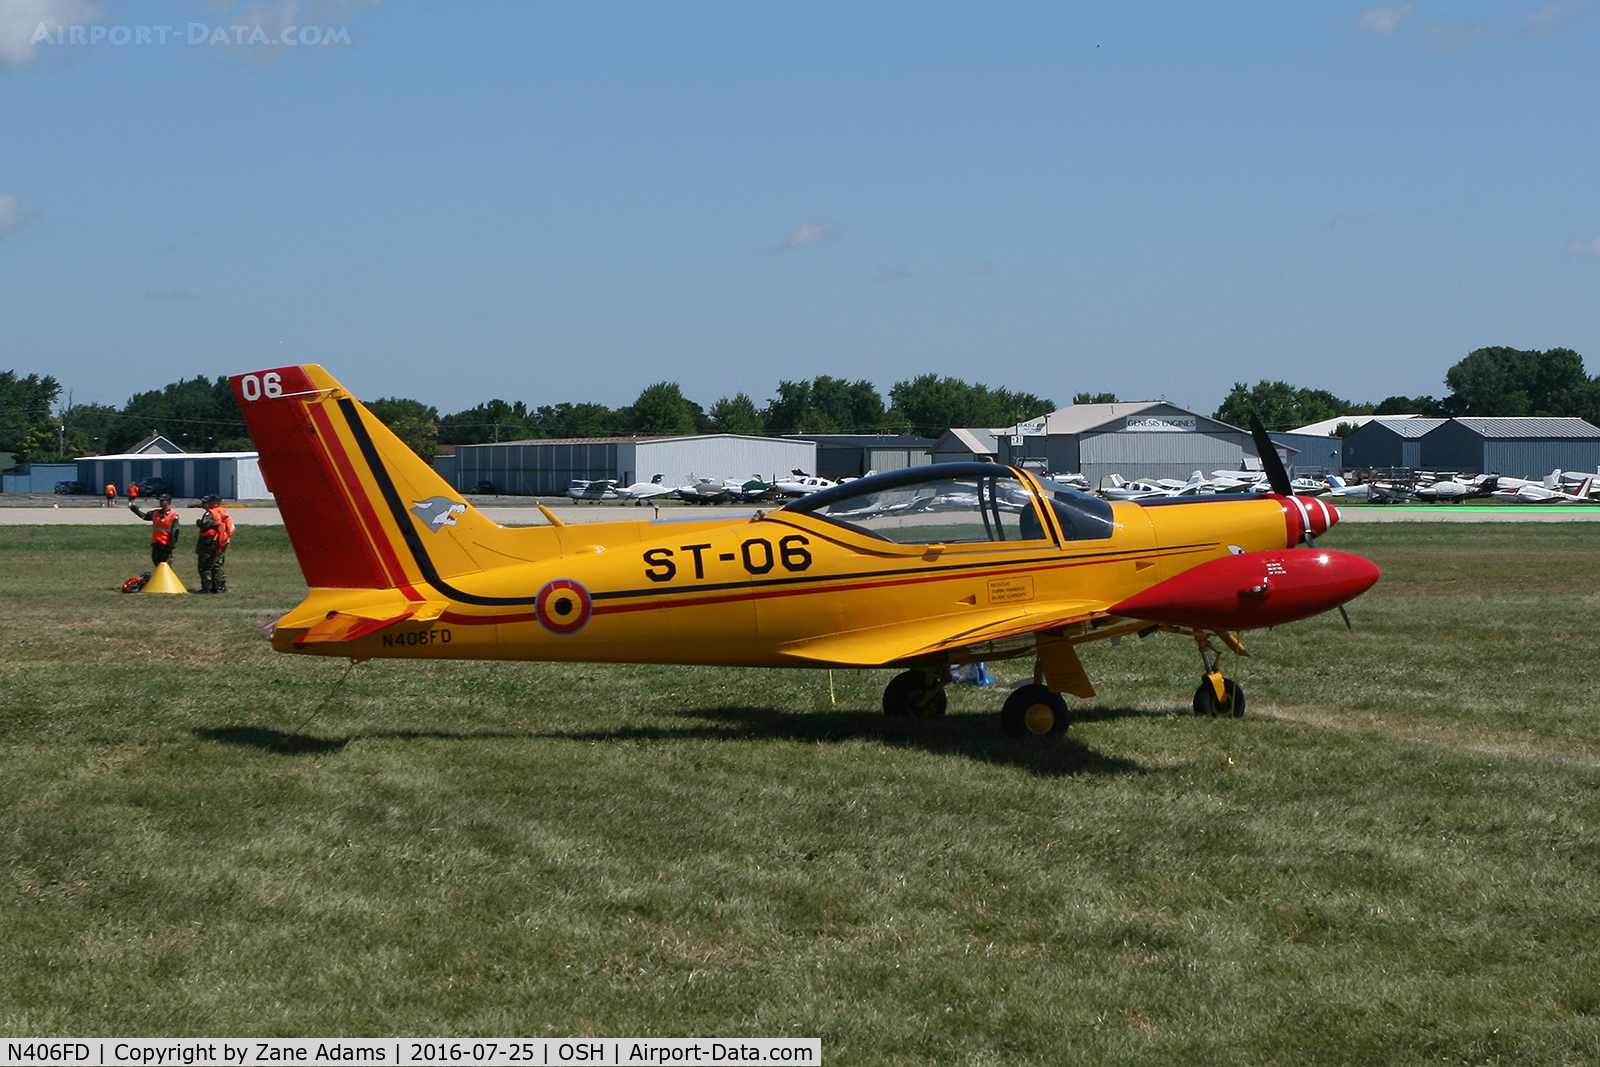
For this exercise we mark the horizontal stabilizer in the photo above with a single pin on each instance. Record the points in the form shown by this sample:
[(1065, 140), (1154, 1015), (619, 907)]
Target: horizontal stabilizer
[(341, 627)]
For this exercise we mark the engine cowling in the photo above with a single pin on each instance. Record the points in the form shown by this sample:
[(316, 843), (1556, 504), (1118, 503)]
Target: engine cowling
[(1254, 589)]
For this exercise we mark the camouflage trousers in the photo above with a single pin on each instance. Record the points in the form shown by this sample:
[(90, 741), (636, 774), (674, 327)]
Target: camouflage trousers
[(213, 579)]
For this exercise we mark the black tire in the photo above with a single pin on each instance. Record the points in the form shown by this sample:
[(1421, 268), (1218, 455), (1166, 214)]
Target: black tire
[(1034, 711), (903, 697), (1205, 699)]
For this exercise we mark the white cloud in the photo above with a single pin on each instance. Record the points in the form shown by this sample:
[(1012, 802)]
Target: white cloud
[(8, 214), (1584, 248), (1382, 19), (807, 233), (20, 21)]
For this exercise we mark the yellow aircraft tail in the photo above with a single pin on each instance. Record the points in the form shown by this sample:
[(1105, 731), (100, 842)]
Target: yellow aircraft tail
[(362, 510)]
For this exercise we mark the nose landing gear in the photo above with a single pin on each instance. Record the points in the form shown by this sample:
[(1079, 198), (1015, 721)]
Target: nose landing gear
[(1218, 696)]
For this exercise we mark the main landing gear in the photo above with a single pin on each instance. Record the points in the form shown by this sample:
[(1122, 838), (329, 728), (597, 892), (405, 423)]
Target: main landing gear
[(1033, 710), (916, 693)]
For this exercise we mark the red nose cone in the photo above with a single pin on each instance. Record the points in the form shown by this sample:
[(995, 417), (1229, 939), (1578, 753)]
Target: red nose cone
[(1254, 589), (1304, 515)]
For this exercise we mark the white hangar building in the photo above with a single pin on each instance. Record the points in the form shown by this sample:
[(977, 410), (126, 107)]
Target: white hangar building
[(1153, 439), (546, 467)]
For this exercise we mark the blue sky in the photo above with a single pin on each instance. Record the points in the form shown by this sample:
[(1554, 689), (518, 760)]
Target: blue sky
[(569, 202)]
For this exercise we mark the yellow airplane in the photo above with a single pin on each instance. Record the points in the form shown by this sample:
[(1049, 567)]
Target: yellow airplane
[(918, 569)]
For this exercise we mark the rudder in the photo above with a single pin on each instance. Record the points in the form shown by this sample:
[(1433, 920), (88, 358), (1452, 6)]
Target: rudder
[(362, 510)]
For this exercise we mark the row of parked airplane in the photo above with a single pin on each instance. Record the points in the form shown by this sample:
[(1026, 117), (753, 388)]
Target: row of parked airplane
[(1557, 487), (702, 490)]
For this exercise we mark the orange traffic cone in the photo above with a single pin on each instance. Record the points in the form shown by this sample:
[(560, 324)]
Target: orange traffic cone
[(163, 580)]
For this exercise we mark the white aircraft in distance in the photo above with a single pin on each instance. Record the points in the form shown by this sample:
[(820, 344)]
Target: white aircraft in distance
[(639, 492), (1533, 493), (1116, 487), (599, 489), (799, 483)]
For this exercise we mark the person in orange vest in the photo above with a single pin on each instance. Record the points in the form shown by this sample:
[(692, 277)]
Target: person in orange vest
[(111, 494), (216, 533), (133, 493), (163, 528)]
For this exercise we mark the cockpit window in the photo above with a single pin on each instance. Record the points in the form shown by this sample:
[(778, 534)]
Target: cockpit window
[(935, 509), (1083, 517)]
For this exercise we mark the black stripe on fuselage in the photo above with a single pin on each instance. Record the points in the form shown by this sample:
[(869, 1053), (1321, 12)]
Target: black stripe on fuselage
[(430, 573)]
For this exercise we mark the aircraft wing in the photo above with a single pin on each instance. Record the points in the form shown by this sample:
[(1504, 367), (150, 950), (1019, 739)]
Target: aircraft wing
[(875, 646)]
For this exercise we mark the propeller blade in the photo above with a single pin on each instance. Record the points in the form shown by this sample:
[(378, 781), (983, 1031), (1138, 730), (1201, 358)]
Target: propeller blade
[(1277, 477)]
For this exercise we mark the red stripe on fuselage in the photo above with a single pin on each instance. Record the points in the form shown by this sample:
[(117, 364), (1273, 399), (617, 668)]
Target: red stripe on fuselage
[(842, 585)]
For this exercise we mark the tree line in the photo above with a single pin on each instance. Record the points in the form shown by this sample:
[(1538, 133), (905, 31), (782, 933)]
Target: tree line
[(201, 414), (1495, 381)]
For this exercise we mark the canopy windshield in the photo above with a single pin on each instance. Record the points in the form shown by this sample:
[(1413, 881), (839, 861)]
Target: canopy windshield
[(952, 503)]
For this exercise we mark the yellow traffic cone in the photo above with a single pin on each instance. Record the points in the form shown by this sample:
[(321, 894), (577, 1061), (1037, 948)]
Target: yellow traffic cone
[(163, 580)]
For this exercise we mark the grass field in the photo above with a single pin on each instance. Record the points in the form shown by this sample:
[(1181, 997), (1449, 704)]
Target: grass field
[(1393, 859)]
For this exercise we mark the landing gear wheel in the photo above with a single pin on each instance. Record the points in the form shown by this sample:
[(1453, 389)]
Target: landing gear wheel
[(1232, 703), (904, 696), (1034, 711)]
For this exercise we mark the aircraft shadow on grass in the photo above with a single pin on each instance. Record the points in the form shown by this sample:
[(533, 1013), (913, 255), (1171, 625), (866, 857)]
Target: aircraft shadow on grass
[(972, 736)]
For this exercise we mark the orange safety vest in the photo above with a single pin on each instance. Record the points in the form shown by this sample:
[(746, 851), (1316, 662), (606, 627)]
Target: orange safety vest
[(162, 525), (111, 490), (221, 528), (133, 490)]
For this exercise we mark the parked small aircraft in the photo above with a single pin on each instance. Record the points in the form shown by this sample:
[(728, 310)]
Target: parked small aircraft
[(639, 492), (919, 569), (603, 489)]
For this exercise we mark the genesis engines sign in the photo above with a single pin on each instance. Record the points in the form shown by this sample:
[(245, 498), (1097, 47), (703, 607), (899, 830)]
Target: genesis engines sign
[(1161, 424)]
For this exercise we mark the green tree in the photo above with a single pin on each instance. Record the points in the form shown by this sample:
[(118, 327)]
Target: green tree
[(660, 409), (1095, 398), (576, 420), (88, 428), (736, 414), (1511, 381), (27, 426), (931, 404), (1282, 406), (487, 423), (825, 405), (196, 414), (1411, 405), (412, 421)]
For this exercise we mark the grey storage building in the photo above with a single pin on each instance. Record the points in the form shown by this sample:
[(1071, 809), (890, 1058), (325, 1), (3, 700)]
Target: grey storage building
[(1152, 439), (545, 468), (854, 455), (1527, 447), (230, 475), (1388, 441), (1313, 453)]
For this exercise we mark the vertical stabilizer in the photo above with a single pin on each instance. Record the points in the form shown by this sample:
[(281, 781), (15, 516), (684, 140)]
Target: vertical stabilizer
[(362, 510)]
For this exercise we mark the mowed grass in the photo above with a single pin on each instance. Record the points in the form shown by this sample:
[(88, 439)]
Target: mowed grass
[(1392, 859)]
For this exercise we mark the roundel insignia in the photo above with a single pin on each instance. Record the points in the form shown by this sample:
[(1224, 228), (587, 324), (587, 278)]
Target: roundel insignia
[(563, 606)]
